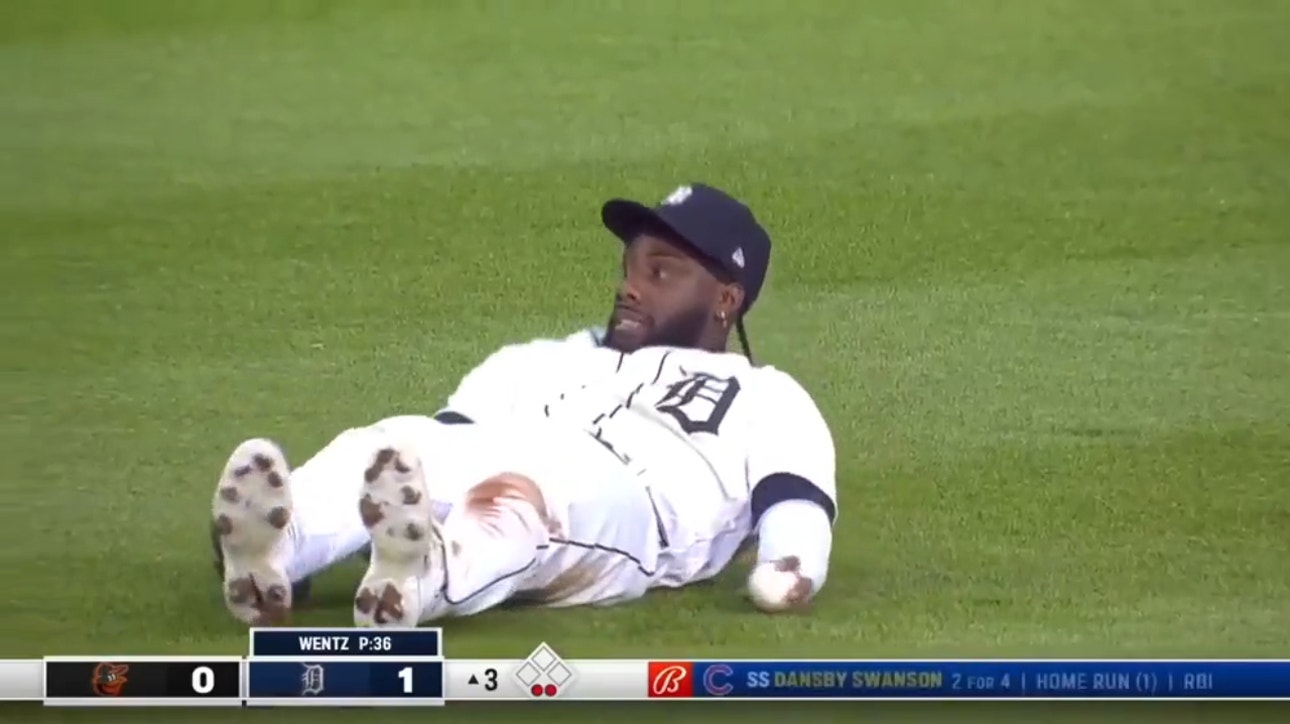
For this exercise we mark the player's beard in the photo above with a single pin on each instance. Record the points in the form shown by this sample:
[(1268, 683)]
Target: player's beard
[(683, 330)]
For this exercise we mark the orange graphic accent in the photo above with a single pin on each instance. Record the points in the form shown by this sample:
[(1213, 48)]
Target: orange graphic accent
[(108, 679)]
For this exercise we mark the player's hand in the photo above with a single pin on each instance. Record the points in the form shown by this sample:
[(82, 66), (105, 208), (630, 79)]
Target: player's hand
[(779, 586), (799, 596)]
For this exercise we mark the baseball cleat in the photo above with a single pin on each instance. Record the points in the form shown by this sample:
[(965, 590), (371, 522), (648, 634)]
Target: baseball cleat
[(395, 506), (250, 512)]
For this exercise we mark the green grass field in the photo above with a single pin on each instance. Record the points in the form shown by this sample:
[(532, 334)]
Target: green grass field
[(1032, 259)]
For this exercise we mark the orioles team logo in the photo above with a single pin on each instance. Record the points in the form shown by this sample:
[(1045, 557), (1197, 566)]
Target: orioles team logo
[(108, 679)]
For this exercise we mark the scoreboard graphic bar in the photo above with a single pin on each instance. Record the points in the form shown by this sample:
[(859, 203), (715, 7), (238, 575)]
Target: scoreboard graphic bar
[(331, 677), (544, 677), (143, 681), (345, 667), (345, 682)]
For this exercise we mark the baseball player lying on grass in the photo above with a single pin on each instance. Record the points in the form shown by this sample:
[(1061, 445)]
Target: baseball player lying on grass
[(562, 472)]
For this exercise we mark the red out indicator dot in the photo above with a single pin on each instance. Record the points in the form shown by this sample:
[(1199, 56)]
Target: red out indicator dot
[(536, 690), (551, 690)]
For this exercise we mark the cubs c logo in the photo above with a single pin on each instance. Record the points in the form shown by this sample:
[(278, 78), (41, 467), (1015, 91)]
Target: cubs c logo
[(718, 686)]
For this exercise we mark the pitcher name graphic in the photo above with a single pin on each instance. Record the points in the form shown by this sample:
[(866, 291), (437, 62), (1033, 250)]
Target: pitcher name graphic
[(315, 643)]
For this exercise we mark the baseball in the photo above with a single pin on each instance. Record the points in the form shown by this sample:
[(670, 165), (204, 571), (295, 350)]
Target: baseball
[(769, 587)]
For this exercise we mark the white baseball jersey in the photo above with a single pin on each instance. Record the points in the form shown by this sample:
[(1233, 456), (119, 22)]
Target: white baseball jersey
[(715, 440)]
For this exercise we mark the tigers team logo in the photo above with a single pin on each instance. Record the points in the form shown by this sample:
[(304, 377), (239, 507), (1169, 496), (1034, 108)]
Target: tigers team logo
[(108, 679)]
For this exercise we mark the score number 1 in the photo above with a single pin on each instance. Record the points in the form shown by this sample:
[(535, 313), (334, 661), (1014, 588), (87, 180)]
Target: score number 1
[(407, 675), (406, 679)]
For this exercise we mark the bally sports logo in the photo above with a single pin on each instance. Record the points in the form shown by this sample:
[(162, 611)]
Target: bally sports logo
[(671, 679)]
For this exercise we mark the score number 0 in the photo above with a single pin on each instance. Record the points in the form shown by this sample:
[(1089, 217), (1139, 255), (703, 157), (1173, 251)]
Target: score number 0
[(203, 680), (405, 674)]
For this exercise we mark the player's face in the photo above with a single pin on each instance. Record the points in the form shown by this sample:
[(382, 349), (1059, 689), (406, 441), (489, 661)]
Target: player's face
[(667, 297)]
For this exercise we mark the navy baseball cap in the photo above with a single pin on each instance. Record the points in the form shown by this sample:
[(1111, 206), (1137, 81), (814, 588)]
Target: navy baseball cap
[(714, 223)]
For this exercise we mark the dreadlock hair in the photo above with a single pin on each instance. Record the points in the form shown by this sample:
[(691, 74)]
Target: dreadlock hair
[(724, 276), (743, 339)]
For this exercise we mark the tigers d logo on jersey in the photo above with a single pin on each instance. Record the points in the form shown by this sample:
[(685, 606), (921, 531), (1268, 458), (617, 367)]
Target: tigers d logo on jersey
[(699, 402), (108, 679)]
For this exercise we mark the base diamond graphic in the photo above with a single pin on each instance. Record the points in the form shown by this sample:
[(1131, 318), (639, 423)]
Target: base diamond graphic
[(559, 674), (527, 674), (543, 657), (543, 674)]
